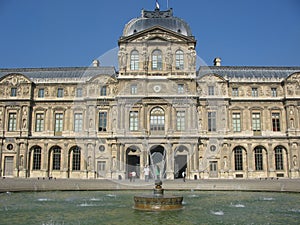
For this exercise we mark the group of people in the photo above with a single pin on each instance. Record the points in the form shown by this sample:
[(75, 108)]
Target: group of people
[(132, 175)]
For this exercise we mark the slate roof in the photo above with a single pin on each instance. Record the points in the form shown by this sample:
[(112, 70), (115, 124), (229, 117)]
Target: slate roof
[(248, 72), (60, 72), (157, 18)]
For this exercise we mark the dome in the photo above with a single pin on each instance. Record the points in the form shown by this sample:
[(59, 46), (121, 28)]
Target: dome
[(157, 18)]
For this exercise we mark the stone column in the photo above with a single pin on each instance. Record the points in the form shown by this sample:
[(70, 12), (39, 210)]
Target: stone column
[(196, 157), (122, 153), (271, 161), (251, 166), (17, 169), (64, 163), (25, 160), (45, 166), (169, 162)]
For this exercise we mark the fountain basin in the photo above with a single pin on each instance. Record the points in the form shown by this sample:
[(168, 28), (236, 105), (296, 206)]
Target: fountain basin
[(158, 203)]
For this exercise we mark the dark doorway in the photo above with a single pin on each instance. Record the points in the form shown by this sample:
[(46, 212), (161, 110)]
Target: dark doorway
[(157, 161), (180, 165), (132, 161), (213, 169)]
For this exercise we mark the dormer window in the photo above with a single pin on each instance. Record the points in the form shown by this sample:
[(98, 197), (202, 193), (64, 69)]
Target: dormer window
[(60, 92), (103, 91), (13, 92), (134, 60), (211, 90), (179, 60), (157, 60)]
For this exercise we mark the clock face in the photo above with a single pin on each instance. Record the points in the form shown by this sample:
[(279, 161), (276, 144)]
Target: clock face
[(157, 88)]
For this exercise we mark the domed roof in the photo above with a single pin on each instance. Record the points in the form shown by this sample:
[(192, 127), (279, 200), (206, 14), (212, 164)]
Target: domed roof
[(157, 18)]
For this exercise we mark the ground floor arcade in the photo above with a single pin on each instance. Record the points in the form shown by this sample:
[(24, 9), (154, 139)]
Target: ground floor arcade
[(167, 159)]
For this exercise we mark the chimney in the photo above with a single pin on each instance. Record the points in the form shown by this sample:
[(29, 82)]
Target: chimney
[(96, 63), (217, 61)]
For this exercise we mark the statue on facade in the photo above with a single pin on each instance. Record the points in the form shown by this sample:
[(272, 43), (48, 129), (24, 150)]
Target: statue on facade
[(122, 59)]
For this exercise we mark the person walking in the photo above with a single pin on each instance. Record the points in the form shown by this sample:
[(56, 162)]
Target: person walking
[(183, 176), (146, 172), (133, 174)]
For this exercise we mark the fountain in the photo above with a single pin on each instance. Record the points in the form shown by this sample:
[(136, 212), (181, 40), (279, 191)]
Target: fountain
[(158, 201)]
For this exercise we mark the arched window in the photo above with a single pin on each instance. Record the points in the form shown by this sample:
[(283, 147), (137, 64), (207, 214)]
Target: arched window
[(157, 119), (179, 60), (76, 156), (134, 60), (37, 156), (156, 60), (238, 158), (258, 155), (278, 158), (56, 159)]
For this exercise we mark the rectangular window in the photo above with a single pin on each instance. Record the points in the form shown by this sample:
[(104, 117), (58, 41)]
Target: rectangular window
[(37, 158), (254, 92), (278, 159), (133, 89), (180, 120), (13, 92), (134, 60), (103, 91), (133, 121), (235, 92), (78, 122), (211, 90), (39, 122), (59, 122), (274, 92), (12, 122), (179, 60), (41, 93), (78, 92), (236, 122), (180, 88), (56, 159), (60, 92), (102, 121), (212, 125), (276, 121), (258, 159), (238, 159), (256, 122)]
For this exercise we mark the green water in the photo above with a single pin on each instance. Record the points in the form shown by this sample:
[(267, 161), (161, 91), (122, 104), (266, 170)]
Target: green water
[(104, 207)]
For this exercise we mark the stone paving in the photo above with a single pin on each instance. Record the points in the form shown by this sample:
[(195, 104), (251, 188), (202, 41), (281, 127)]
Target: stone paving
[(34, 184)]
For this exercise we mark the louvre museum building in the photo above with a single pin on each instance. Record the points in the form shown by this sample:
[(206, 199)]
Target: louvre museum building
[(157, 110)]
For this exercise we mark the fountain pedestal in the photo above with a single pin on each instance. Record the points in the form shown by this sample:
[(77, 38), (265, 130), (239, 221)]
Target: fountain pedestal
[(158, 201)]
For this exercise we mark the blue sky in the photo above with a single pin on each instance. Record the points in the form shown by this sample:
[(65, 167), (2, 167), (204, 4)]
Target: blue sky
[(65, 33)]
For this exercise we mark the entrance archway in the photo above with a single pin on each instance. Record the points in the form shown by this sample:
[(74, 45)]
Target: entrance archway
[(180, 161), (133, 161), (157, 161)]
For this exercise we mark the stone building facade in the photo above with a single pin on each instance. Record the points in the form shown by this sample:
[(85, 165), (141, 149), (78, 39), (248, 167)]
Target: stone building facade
[(157, 110)]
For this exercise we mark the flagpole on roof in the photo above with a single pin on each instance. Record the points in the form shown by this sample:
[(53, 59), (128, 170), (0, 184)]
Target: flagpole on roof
[(156, 5)]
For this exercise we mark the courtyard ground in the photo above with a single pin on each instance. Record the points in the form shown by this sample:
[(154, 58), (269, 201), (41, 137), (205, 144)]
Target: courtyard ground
[(34, 184)]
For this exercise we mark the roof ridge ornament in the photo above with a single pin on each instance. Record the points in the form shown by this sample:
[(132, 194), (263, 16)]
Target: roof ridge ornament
[(157, 13)]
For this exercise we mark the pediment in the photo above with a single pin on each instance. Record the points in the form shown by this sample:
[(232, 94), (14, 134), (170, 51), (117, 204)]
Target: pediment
[(103, 79), (15, 79), (157, 33), (211, 78), (294, 79)]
